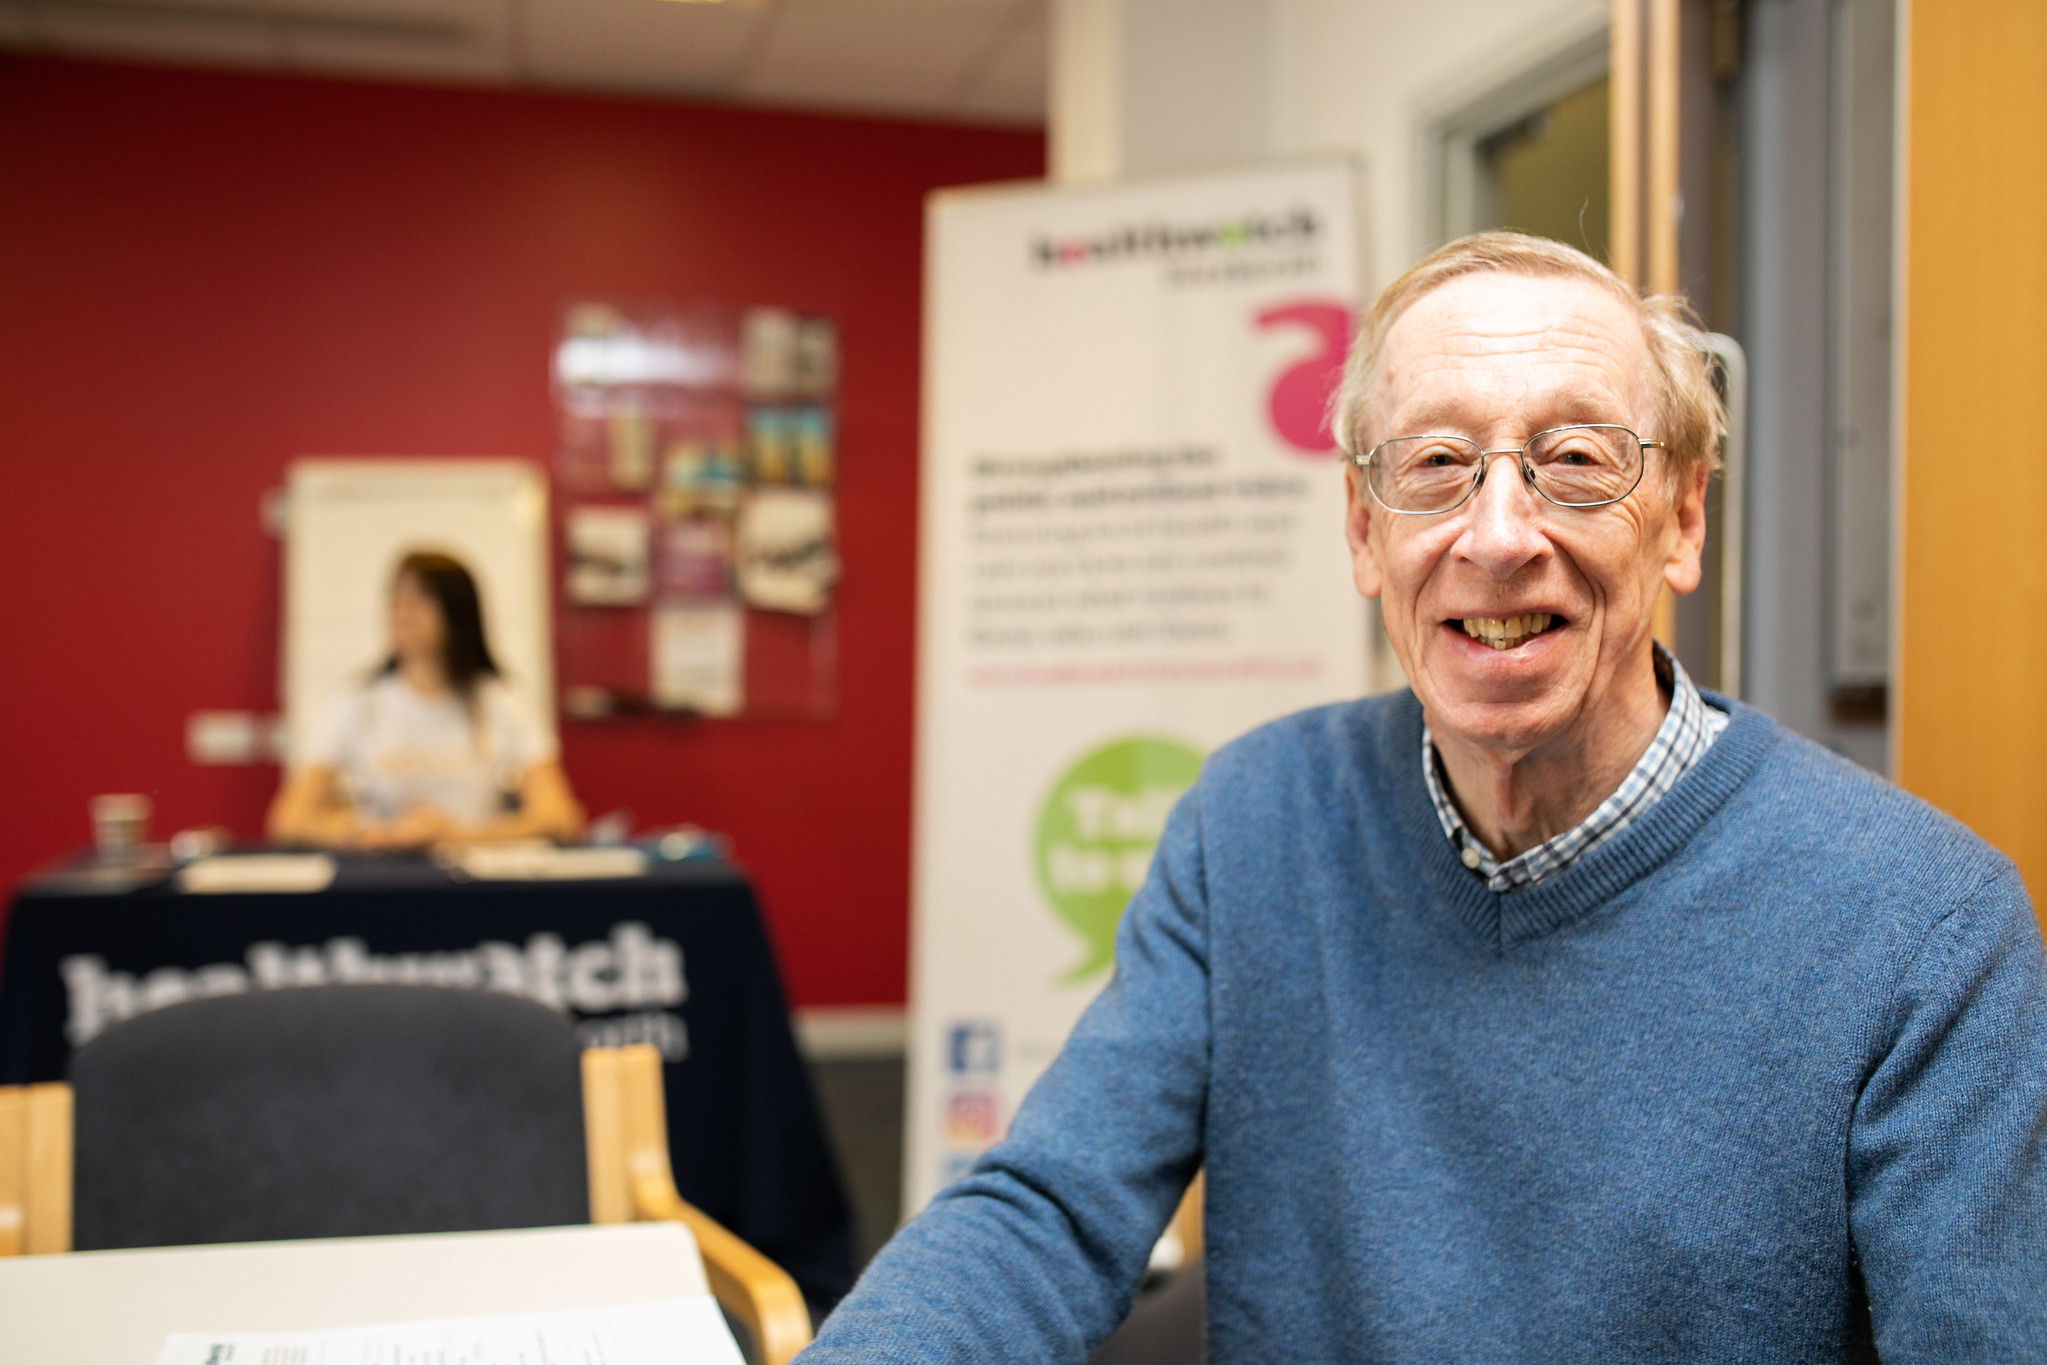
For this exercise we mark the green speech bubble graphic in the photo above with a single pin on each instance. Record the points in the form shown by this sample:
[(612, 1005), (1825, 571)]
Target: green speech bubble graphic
[(1096, 831)]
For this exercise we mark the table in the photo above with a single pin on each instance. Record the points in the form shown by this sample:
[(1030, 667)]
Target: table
[(115, 1307), (677, 957)]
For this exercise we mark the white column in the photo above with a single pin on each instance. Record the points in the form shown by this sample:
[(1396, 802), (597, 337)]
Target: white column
[(1145, 87)]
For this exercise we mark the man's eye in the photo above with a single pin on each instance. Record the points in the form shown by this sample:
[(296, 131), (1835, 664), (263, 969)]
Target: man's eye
[(1437, 457), (1576, 455)]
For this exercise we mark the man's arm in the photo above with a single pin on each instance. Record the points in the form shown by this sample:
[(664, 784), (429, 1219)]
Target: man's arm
[(1947, 1155), (1036, 1254)]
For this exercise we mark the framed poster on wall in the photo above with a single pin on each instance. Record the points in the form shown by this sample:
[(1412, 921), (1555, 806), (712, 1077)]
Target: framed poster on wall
[(696, 460)]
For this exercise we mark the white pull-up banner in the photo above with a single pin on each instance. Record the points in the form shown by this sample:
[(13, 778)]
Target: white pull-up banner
[(1132, 551)]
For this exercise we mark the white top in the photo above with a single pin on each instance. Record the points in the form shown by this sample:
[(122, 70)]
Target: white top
[(394, 748), (115, 1307)]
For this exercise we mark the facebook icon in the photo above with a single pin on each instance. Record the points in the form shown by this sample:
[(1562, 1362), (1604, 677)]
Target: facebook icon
[(974, 1048)]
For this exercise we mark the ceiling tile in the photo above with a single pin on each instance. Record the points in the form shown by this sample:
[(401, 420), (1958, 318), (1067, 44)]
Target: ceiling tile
[(425, 39), (971, 59), (895, 55), (1010, 86), (640, 44)]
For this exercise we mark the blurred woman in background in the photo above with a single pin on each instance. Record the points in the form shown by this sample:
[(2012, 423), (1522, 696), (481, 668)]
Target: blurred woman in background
[(434, 748)]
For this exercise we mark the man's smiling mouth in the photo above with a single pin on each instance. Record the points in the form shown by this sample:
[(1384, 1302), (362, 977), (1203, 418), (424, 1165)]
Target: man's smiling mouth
[(1505, 632)]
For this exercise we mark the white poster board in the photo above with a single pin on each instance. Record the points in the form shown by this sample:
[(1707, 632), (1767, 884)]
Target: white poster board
[(1132, 551), (348, 524)]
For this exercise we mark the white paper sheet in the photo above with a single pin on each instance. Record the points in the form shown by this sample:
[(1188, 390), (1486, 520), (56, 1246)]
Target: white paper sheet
[(543, 862), (257, 873), (700, 656), (673, 1332)]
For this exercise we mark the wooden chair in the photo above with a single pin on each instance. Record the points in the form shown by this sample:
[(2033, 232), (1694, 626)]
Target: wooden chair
[(624, 1117), (1185, 1231), (630, 1181)]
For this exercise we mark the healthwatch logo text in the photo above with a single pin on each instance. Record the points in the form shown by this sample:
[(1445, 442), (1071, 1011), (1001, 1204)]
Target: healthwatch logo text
[(1159, 240), (631, 977)]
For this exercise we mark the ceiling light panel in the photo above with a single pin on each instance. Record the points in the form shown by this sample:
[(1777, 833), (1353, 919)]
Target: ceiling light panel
[(951, 59), (135, 28), (429, 39)]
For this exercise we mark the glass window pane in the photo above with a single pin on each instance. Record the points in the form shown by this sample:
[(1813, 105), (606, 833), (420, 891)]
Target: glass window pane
[(1547, 174)]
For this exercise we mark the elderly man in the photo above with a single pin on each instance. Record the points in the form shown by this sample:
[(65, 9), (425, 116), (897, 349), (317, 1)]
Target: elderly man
[(1551, 1010)]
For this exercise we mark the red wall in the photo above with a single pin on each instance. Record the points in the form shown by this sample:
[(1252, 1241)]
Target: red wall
[(203, 276)]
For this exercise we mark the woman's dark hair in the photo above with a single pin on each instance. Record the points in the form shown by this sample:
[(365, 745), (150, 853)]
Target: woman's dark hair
[(465, 653)]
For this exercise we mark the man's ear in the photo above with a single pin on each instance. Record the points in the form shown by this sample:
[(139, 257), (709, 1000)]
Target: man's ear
[(1359, 532), (1682, 568)]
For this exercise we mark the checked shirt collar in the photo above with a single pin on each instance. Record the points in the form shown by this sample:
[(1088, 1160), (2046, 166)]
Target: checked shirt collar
[(1688, 730)]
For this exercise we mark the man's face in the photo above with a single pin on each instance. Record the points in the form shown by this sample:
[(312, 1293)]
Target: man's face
[(1497, 358)]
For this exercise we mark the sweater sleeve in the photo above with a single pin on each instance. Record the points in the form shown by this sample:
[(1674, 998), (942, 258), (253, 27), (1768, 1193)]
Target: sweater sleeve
[(1036, 1253), (1947, 1152)]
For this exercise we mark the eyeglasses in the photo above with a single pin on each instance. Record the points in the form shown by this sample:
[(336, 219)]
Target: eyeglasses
[(1582, 466)]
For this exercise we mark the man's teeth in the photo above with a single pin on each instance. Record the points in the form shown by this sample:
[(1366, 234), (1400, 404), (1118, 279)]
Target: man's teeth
[(1504, 632)]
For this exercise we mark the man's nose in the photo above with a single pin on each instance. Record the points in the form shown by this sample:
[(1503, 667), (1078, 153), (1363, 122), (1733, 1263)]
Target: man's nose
[(1503, 537)]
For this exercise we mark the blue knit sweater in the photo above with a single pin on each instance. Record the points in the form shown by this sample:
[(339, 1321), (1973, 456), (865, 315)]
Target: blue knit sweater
[(1762, 1079)]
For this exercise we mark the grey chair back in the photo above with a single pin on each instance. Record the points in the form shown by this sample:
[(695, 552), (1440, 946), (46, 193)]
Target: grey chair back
[(328, 1111)]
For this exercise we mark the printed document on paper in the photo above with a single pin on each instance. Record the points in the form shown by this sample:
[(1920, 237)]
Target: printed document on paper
[(673, 1332)]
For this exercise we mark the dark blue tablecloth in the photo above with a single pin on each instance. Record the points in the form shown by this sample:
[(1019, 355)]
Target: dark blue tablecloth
[(678, 958)]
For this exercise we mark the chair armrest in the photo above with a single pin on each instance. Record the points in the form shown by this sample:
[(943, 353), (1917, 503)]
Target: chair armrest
[(13, 1168), (1187, 1220), (35, 1169), (630, 1178), (751, 1287)]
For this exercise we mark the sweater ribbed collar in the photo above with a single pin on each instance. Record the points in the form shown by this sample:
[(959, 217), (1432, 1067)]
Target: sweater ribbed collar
[(1505, 920)]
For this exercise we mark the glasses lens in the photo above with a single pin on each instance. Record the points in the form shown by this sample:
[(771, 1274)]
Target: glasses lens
[(1585, 466), (1423, 473)]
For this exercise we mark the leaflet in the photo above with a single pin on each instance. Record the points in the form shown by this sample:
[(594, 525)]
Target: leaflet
[(257, 873), (687, 1331), (536, 860)]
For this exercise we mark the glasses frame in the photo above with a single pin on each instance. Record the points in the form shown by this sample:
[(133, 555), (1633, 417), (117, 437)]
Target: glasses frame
[(1520, 452)]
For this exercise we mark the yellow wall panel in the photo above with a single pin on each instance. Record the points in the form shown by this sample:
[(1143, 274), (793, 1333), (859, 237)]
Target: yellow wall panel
[(1971, 704)]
